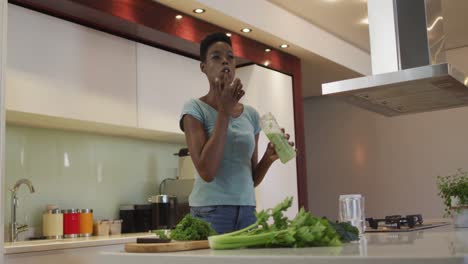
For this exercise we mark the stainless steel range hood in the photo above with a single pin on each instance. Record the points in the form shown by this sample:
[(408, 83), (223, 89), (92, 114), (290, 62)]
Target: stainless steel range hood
[(410, 73)]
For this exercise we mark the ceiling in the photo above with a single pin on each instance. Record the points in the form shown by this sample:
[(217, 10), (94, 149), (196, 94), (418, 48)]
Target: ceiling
[(234, 25), (342, 18), (315, 69)]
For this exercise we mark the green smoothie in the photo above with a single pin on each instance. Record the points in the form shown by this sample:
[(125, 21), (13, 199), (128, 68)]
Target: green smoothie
[(285, 151)]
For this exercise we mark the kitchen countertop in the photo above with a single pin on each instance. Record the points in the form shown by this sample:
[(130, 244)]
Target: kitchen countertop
[(67, 243), (444, 244)]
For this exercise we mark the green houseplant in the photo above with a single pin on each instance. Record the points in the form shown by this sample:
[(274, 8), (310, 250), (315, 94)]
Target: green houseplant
[(453, 189)]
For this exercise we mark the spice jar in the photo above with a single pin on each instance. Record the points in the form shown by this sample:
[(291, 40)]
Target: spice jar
[(102, 228), (71, 223), (115, 227), (52, 223), (86, 222)]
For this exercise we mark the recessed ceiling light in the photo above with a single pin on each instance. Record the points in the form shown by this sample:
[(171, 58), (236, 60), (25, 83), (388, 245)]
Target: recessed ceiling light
[(179, 17), (246, 30), (283, 46), (229, 34), (199, 10), (364, 21), (267, 50)]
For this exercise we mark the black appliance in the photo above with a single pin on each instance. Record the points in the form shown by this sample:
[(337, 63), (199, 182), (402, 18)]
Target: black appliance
[(127, 214), (143, 218), (160, 213), (164, 211)]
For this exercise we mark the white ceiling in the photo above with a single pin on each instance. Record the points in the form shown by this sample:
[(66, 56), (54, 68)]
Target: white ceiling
[(234, 25), (339, 17), (343, 19), (316, 70)]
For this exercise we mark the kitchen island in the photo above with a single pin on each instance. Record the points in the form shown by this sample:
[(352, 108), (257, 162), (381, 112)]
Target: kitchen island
[(444, 244), (69, 250), (71, 243)]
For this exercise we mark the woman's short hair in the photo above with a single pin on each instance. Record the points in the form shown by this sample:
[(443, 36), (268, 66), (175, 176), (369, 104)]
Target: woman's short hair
[(211, 39)]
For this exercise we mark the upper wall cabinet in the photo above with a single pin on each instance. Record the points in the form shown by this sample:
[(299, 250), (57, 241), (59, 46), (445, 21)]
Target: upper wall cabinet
[(57, 68), (271, 91), (165, 82)]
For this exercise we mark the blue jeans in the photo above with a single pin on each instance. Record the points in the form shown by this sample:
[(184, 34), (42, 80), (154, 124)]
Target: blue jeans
[(225, 218)]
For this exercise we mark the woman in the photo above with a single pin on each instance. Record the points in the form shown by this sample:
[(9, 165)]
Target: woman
[(222, 137)]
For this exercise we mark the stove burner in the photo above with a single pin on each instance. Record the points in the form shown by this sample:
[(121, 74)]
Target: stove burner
[(396, 221)]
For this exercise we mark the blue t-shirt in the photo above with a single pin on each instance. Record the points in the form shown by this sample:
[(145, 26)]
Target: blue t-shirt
[(233, 183)]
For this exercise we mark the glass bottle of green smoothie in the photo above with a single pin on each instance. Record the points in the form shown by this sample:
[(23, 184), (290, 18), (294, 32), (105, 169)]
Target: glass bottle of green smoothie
[(273, 131)]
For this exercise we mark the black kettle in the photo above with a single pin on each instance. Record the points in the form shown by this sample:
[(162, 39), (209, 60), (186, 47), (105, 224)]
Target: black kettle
[(164, 211)]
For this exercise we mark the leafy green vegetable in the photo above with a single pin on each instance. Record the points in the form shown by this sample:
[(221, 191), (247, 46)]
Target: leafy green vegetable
[(191, 228), (346, 231), (304, 230), (161, 234)]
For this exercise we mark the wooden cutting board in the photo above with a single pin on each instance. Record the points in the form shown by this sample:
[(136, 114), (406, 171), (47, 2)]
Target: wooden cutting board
[(166, 247)]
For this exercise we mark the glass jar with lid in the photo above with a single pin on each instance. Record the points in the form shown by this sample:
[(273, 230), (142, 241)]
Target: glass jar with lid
[(52, 223), (86, 222), (71, 223)]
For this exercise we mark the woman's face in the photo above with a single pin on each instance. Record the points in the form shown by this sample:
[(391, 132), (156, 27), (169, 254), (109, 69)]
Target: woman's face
[(219, 61)]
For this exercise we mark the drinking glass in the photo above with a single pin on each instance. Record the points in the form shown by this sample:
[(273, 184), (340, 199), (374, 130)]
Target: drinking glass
[(351, 210)]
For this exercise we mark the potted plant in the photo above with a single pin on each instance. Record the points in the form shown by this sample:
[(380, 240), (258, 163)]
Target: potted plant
[(453, 189)]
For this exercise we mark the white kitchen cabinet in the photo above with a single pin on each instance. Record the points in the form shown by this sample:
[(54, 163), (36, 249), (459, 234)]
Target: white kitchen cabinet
[(61, 69), (271, 91), (165, 81)]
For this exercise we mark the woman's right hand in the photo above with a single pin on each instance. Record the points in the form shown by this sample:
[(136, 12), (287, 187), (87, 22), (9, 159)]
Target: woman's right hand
[(228, 94)]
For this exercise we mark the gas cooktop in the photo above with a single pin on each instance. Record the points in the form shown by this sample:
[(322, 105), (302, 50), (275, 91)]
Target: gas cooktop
[(399, 223)]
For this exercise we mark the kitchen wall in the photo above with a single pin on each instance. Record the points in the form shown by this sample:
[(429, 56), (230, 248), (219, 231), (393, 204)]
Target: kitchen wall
[(81, 170), (458, 57), (394, 161)]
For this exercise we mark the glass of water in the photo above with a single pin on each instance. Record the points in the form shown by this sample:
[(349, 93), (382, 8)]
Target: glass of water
[(351, 210)]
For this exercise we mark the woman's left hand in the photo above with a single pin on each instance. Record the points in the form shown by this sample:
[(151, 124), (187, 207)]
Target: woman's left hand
[(270, 152)]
